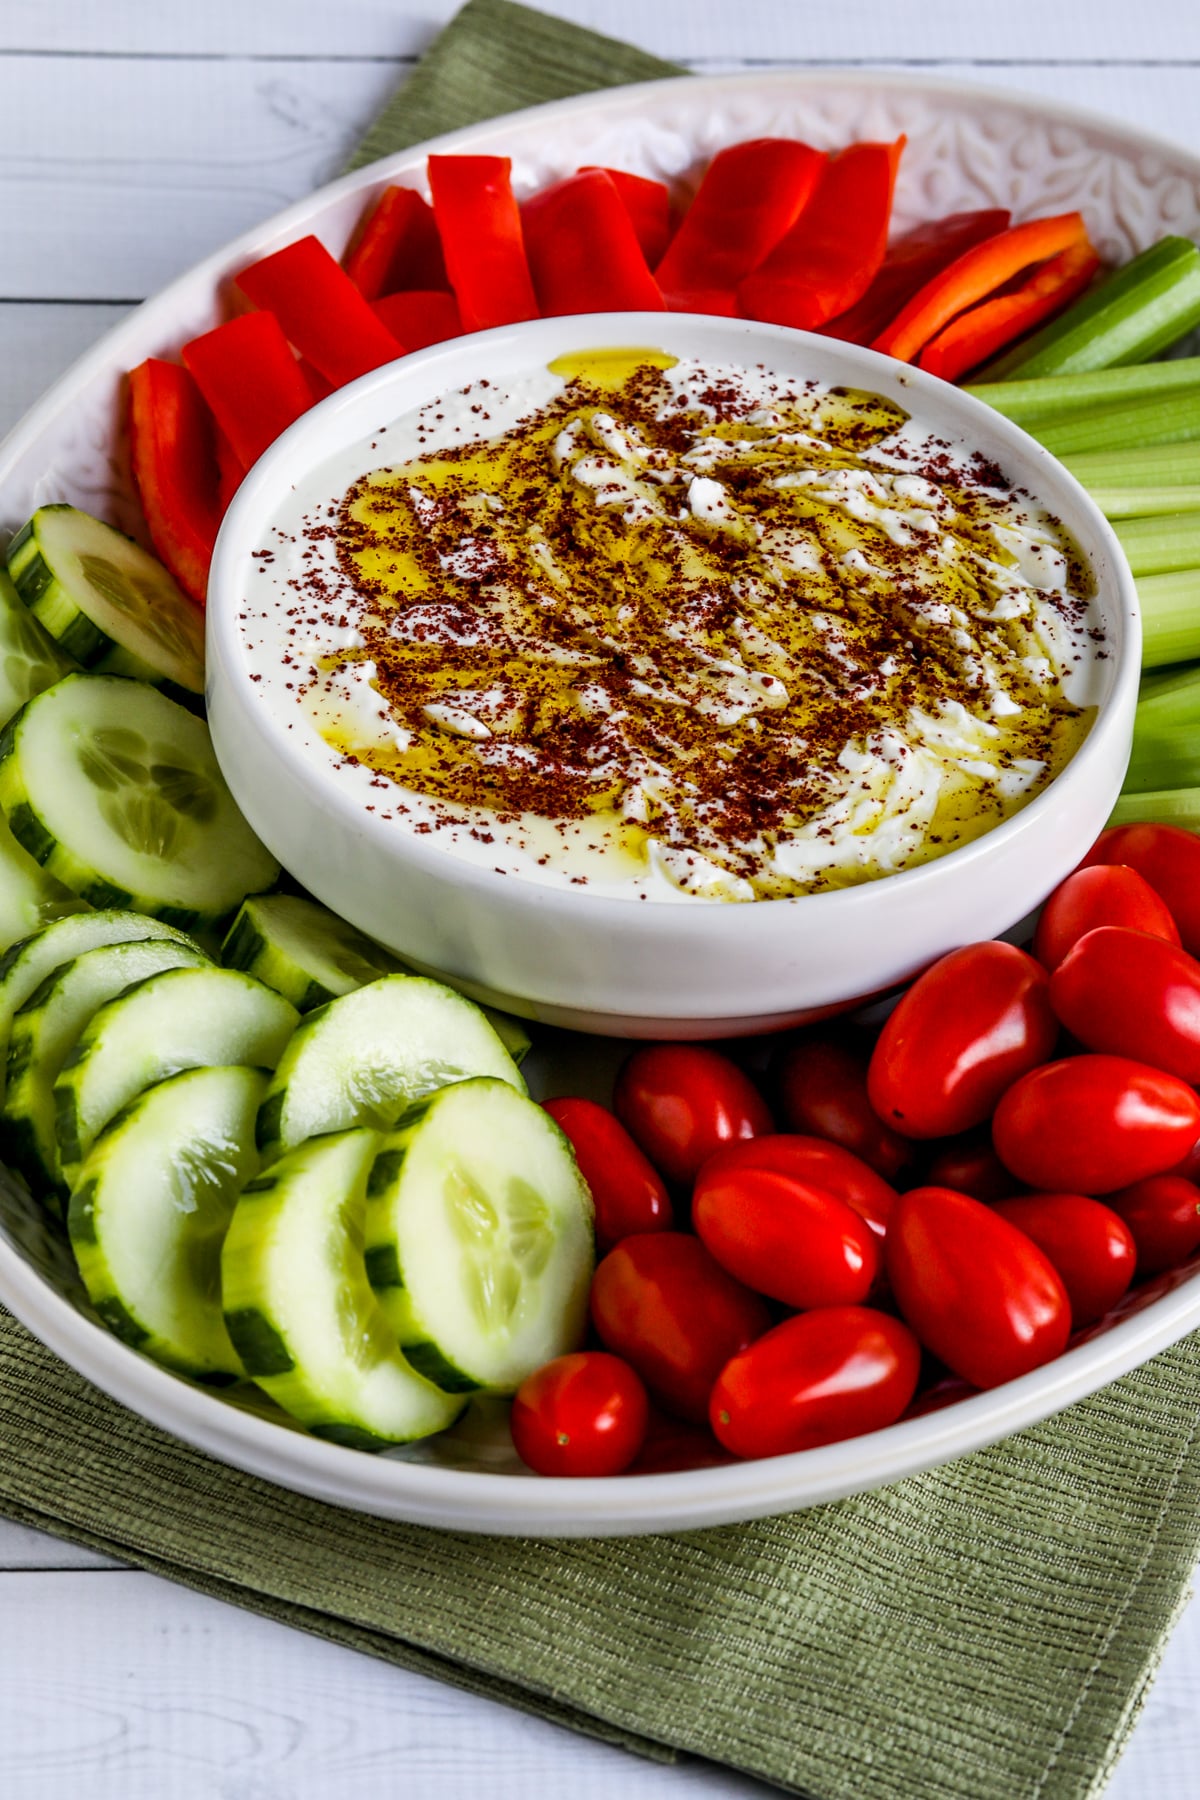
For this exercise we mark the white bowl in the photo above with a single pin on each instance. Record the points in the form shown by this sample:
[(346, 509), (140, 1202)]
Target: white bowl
[(967, 147), (571, 957)]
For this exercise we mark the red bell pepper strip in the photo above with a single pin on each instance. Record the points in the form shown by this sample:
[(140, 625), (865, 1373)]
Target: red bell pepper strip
[(175, 468), (911, 261), (583, 252), (830, 256), (648, 204), (230, 470), (251, 381), (318, 387), (396, 246), (750, 196), (979, 333), (419, 317), (480, 228), (320, 309), (975, 275)]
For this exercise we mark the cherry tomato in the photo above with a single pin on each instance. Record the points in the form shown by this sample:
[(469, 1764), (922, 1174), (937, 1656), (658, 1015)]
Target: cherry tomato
[(673, 1444), (680, 1102), (1188, 1166), (1102, 894), (1169, 859), (784, 1237), (965, 1030), (1092, 1249), (942, 1393), (970, 1165), (629, 1194), (816, 1379), (669, 1308), (1131, 995), (1092, 1124), (1163, 1213), (823, 1092), (977, 1292), (583, 1414), (814, 1160)]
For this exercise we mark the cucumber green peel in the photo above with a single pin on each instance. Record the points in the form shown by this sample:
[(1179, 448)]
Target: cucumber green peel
[(301, 1312), (478, 1237), (311, 956), (95, 592), (150, 1210)]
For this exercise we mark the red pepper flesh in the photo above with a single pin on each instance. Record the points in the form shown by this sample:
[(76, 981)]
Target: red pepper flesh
[(251, 381), (911, 261), (396, 246), (175, 468), (583, 252), (418, 317), (830, 256), (979, 333), (480, 228), (320, 309), (750, 196), (318, 387), (230, 470), (975, 275), (648, 204)]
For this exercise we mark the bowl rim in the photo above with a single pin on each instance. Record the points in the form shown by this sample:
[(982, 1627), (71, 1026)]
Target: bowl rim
[(517, 1505), (449, 366)]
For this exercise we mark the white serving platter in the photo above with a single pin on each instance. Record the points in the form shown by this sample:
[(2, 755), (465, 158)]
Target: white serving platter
[(968, 147)]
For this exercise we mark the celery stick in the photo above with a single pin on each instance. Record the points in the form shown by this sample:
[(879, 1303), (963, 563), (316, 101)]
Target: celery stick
[(1166, 734), (1171, 419), (1150, 466), (1170, 617), (1141, 503), (1154, 546), (1053, 394), (1165, 806), (1139, 310)]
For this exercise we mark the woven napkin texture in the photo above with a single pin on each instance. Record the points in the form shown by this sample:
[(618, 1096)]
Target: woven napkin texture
[(986, 1631)]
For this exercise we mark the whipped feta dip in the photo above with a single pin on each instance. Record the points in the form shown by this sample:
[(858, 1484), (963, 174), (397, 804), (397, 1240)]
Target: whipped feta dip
[(672, 631)]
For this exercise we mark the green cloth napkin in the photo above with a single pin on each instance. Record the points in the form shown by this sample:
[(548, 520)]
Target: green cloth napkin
[(985, 1630)]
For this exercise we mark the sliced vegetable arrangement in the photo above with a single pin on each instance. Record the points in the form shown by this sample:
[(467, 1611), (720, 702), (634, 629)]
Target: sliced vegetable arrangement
[(284, 1157)]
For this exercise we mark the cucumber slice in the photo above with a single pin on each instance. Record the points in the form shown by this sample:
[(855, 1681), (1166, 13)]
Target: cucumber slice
[(365, 1058), (300, 1310), (302, 950), (93, 589), (47, 1028), (26, 965), (183, 1019), (30, 896), (30, 660), (115, 790), (150, 1212), (479, 1237), (310, 956)]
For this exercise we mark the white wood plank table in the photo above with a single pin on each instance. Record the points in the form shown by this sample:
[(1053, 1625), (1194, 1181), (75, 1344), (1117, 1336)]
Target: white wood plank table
[(134, 138)]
